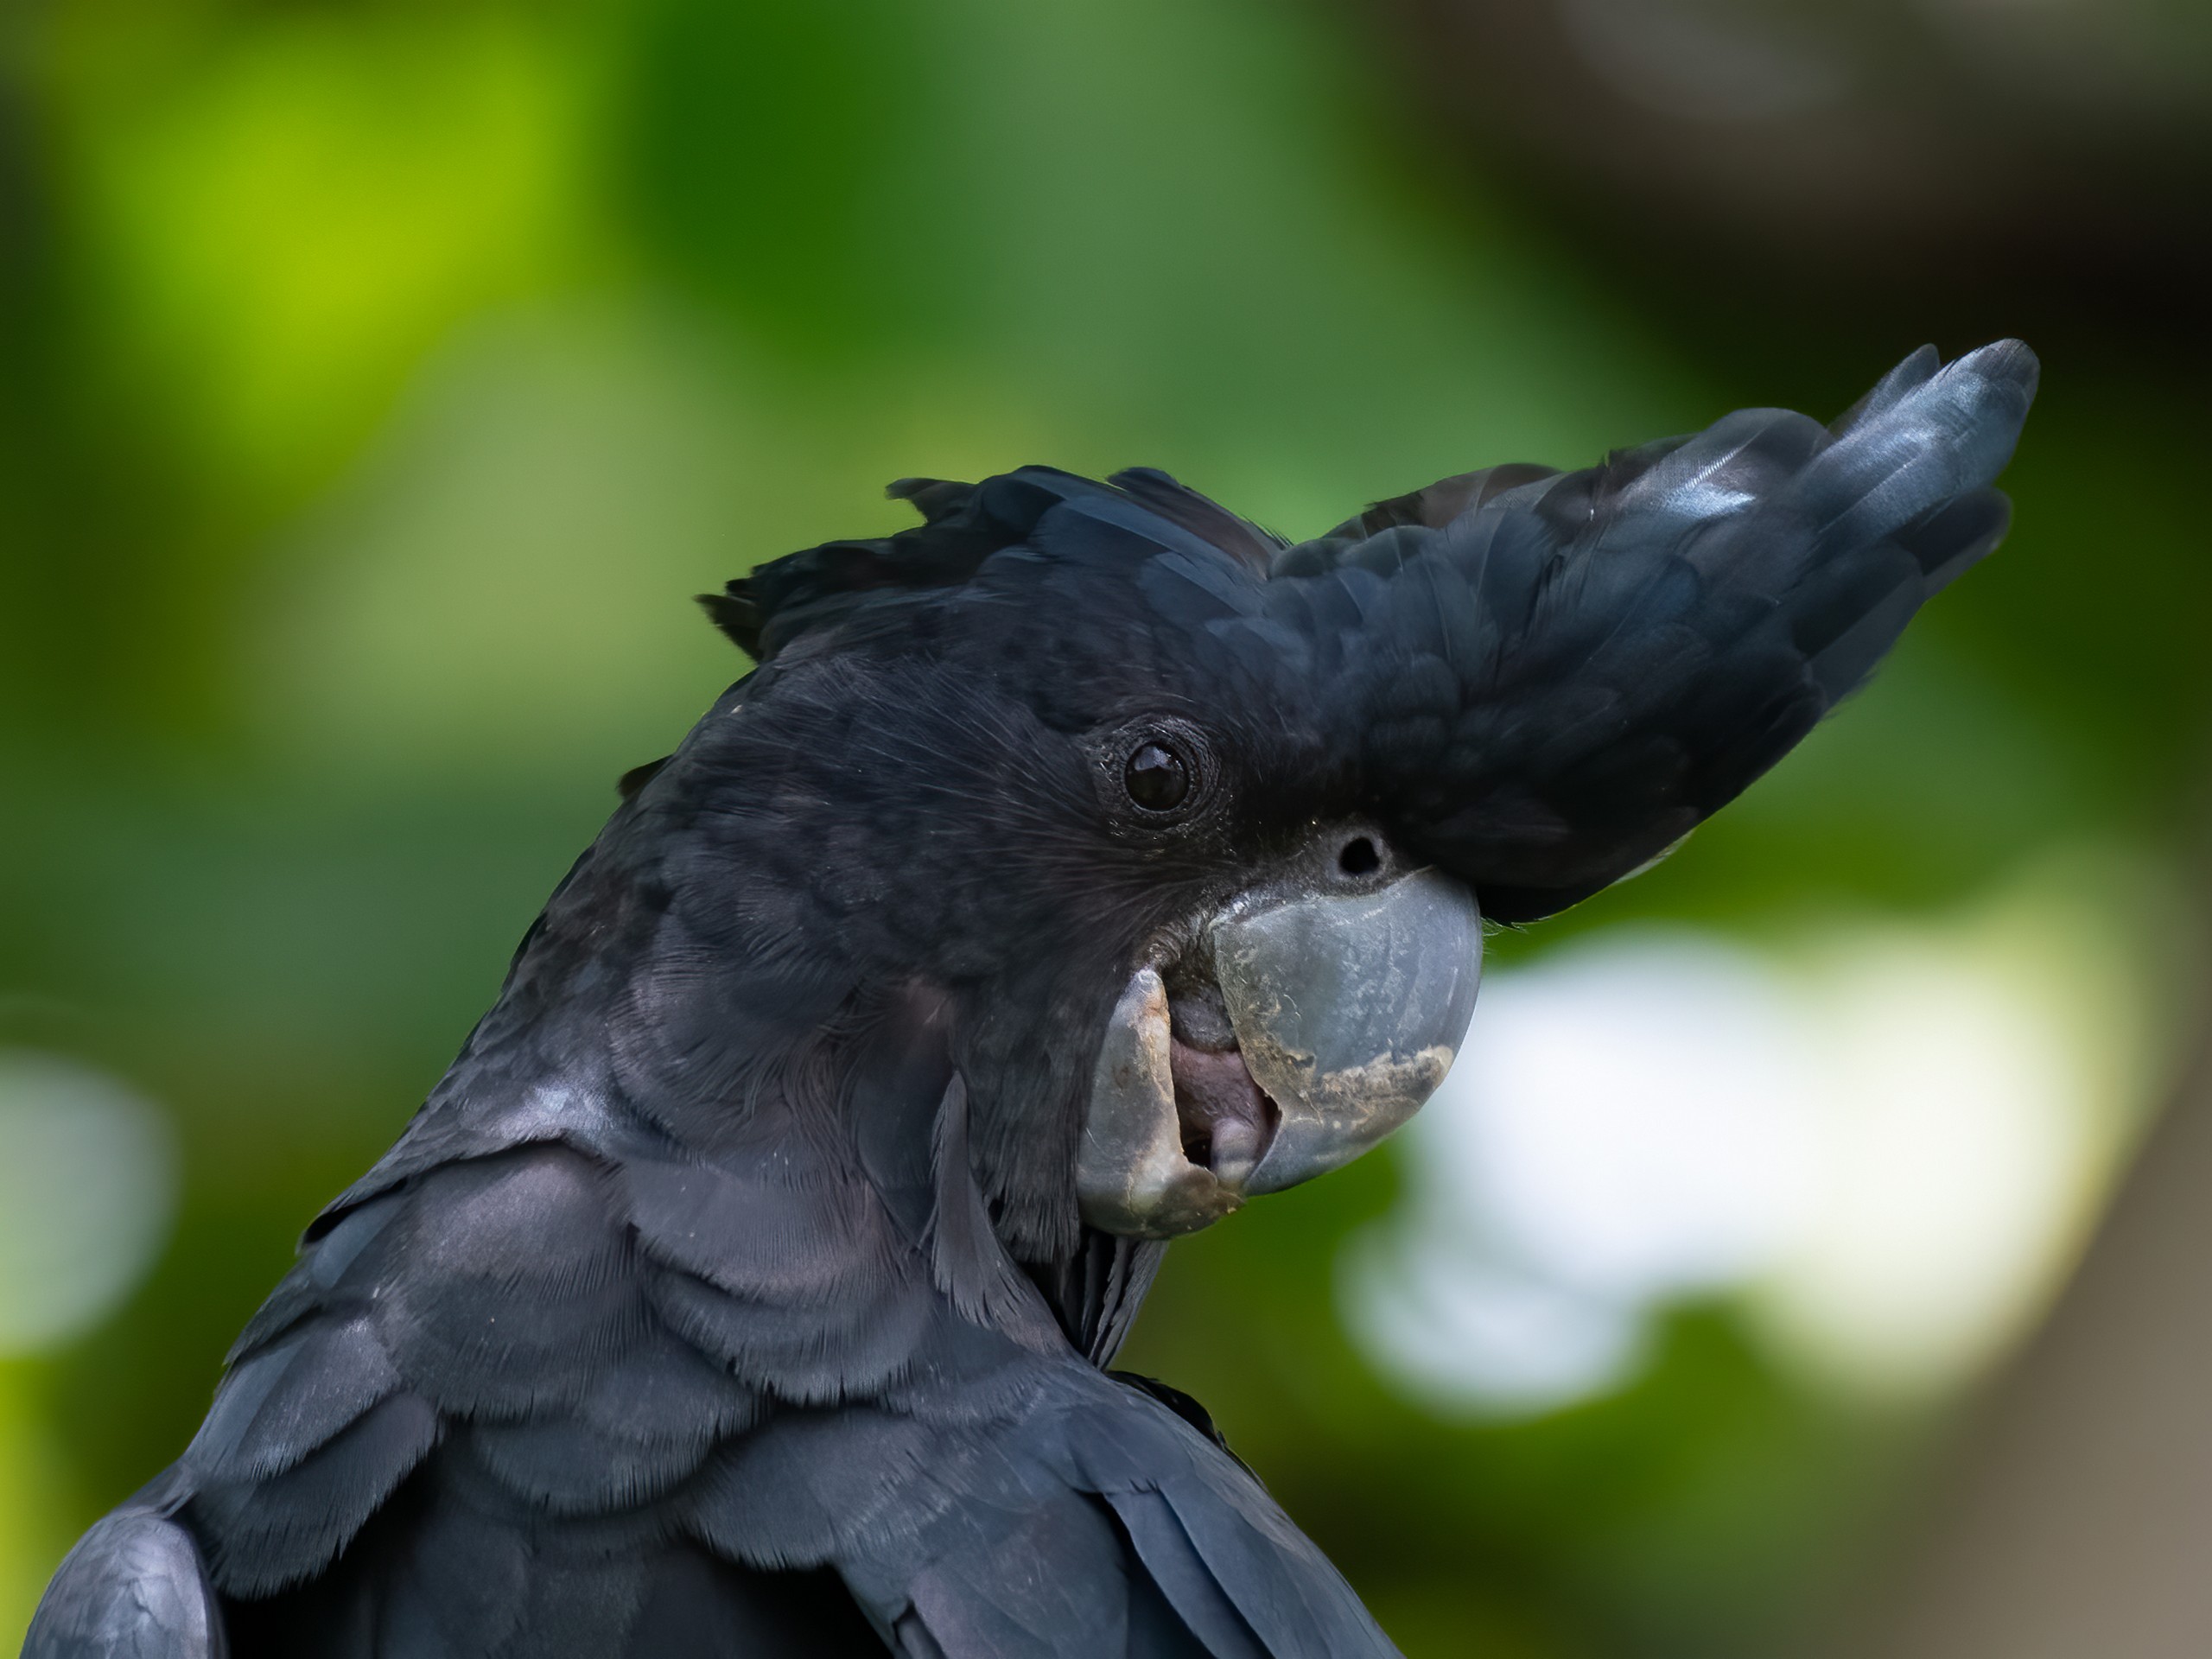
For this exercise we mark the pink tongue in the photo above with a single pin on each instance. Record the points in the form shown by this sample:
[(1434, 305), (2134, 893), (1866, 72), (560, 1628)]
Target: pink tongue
[(1226, 1118)]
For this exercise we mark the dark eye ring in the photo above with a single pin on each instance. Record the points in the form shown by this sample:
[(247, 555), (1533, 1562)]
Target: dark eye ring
[(1156, 776)]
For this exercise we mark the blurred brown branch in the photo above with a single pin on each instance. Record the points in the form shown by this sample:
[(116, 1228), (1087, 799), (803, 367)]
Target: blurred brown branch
[(2078, 1514)]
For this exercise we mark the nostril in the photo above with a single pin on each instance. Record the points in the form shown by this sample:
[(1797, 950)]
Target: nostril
[(1359, 857)]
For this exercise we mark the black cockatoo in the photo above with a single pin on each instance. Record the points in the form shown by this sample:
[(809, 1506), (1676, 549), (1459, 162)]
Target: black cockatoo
[(1073, 867)]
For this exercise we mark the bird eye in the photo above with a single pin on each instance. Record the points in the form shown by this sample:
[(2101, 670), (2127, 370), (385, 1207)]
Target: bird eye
[(1157, 777)]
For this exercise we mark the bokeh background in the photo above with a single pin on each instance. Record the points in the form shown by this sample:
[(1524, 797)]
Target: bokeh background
[(378, 379)]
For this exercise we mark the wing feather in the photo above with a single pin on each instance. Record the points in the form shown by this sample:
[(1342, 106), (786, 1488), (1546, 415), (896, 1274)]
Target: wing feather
[(132, 1588)]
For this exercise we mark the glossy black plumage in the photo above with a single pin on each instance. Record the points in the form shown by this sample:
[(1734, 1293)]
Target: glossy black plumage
[(729, 1295)]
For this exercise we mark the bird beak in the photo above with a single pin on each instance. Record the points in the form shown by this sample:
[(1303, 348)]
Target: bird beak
[(1347, 1009)]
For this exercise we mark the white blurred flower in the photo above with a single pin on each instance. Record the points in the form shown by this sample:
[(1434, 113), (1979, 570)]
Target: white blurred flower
[(88, 1182), (1886, 1141)]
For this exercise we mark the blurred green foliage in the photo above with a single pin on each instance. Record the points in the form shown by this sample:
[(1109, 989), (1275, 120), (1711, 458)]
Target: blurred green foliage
[(378, 380)]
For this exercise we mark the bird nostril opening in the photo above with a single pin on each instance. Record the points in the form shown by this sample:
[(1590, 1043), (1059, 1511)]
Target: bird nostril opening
[(1359, 857)]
